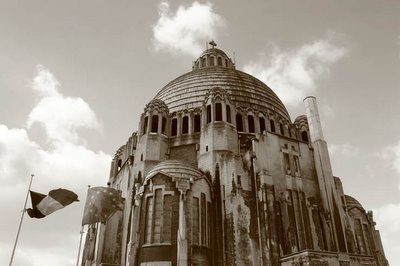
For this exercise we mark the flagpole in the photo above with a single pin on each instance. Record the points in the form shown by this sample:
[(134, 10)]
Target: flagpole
[(80, 245), (20, 222)]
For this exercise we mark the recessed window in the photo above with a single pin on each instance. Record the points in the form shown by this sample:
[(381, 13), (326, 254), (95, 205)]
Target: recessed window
[(146, 121), (281, 129), (218, 112), (304, 136), (239, 122), (197, 123), (272, 125), (163, 125), (250, 119), (228, 114), (203, 220), (185, 125), (286, 162), (220, 61), (174, 127), (154, 123), (195, 221), (203, 62), (262, 124), (211, 60), (208, 113)]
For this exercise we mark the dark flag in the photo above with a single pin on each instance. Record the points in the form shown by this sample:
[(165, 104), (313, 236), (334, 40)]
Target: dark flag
[(101, 203), (43, 205)]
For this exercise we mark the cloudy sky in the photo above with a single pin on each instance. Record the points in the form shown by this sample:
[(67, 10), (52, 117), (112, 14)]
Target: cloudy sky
[(75, 76)]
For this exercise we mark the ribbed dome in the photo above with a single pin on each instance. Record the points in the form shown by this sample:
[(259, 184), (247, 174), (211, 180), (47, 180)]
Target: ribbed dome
[(189, 90), (352, 202), (176, 169)]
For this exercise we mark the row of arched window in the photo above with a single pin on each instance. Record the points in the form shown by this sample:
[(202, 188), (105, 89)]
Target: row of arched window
[(218, 112), (209, 61)]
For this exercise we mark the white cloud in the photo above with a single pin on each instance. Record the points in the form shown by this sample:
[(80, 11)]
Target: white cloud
[(293, 73), (392, 155), (63, 162), (387, 218), (343, 150), (188, 29), (61, 116)]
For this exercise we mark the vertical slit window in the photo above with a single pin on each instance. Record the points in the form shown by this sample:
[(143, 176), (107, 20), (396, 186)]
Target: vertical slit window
[(272, 125), (203, 219), (154, 123), (185, 125), (158, 211), (208, 113), (304, 136), (203, 62), (195, 221), (220, 61), (211, 60), (218, 112), (262, 124), (163, 125), (146, 121), (197, 123), (167, 216), (239, 122), (149, 218), (228, 114), (281, 129), (286, 162), (174, 127), (250, 119)]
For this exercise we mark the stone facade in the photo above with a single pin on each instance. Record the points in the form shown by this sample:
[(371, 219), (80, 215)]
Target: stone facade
[(218, 174)]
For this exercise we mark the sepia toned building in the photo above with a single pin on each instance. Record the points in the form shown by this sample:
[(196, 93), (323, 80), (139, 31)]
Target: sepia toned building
[(219, 174)]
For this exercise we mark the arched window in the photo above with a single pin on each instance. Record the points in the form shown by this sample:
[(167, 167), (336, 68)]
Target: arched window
[(146, 121), (239, 122), (154, 123), (208, 113), (211, 60), (304, 136), (197, 123), (262, 124), (250, 120), (228, 114), (203, 62), (174, 127), (281, 129), (185, 125), (218, 112), (272, 125)]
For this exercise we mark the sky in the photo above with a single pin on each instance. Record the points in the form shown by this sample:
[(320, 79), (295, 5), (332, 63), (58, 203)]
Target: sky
[(76, 75)]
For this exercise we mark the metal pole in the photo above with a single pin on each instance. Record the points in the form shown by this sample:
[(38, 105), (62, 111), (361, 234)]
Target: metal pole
[(80, 245), (20, 222)]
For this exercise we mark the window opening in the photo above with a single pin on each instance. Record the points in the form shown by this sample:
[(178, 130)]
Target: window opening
[(208, 113), (272, 125), (211, 60), (281, 129), (262, 124), (154, 124), (185, 125), (195, 221), (239, 122), (163, 125), (220, 61), (197, 123), (304, 136), (146, 120), (250, 119), (218, 112), (228, 114), (174, 127)]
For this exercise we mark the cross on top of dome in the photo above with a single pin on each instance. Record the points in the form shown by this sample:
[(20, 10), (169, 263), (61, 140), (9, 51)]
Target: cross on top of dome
[(213, 44)]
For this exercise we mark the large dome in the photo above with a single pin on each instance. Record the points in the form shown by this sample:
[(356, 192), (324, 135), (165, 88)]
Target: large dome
[(189, 90)]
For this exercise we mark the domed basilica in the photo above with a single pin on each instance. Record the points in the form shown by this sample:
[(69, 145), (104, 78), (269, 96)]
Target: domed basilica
[(219, 174)]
